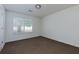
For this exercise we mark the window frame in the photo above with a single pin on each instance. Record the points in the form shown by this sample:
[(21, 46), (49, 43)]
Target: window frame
[(27, 19)]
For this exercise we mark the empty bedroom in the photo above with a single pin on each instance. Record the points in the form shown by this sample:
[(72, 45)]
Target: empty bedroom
[(39, 28)]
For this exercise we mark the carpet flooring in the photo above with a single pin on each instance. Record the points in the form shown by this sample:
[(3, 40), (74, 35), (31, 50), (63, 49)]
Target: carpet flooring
[(38, 45)]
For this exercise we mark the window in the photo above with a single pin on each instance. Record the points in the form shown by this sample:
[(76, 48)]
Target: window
[(22, 25)]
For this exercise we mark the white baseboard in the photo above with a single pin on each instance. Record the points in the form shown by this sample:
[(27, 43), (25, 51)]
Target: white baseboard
[(1, 47), (61, 41), (21, 39)]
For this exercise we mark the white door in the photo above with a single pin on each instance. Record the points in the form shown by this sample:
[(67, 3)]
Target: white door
[(2, 23)]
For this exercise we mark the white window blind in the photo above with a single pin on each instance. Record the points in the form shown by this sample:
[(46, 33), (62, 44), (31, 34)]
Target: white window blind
[(22, 25)]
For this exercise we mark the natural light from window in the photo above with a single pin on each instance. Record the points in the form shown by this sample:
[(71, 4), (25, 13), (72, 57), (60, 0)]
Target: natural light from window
[(22, 25)]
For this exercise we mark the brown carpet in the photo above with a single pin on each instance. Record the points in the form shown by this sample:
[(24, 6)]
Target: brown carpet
[(38, 45)]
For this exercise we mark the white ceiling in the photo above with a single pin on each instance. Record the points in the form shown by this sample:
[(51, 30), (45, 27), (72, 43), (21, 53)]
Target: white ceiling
[(44, 11)]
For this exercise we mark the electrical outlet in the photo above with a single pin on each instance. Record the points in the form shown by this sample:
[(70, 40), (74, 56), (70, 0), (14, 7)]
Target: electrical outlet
[(2, 42)]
